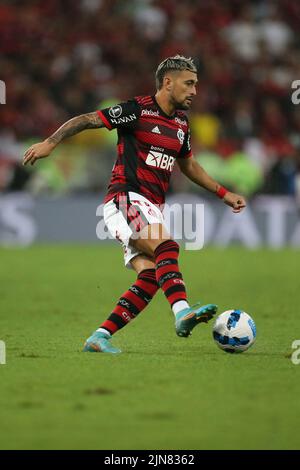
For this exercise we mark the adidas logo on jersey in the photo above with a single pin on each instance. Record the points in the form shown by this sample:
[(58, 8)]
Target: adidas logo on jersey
[(160, 160), (156, 130)]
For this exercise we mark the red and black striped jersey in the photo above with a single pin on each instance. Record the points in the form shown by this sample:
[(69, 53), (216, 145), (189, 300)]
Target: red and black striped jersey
[(149, 142)]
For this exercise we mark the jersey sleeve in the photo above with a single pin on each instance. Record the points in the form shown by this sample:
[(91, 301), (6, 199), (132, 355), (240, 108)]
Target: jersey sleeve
[(122, 115), (186, 150)]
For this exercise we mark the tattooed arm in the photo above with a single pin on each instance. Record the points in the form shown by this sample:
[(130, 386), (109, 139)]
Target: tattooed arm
[(69, 128)]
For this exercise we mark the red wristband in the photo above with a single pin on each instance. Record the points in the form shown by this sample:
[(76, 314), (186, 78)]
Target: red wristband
[(221, 192)]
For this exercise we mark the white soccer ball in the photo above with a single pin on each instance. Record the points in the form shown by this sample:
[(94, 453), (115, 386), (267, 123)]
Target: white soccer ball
[(234, 331)]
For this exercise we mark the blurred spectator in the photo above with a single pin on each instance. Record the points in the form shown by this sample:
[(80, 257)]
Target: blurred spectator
[(243, 35), (275, 33)]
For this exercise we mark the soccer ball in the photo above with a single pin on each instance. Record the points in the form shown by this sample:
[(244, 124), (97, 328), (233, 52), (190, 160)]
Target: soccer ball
[(234, 331)]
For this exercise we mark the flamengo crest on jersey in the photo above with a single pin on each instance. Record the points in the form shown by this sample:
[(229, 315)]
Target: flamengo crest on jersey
[(180, 135)]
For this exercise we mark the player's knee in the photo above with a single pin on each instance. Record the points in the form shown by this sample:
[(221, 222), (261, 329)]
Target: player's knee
[(142, 262)]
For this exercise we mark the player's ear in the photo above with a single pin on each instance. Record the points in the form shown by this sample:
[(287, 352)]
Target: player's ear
[(168, 82)]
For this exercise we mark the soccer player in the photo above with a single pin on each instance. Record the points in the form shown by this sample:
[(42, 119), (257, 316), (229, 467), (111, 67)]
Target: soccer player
[(153, 134)]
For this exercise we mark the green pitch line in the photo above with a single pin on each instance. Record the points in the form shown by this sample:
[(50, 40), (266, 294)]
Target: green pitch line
[(162, 392)]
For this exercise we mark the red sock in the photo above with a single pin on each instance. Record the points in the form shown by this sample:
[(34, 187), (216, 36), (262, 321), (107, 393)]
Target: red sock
[(132, 301), (168, 275)]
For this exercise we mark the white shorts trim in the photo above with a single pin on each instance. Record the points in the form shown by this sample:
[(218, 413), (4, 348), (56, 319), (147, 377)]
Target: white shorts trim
[(119, 227)]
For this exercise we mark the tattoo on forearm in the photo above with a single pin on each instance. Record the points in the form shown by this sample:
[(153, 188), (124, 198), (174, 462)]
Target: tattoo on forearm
[(75, 125)]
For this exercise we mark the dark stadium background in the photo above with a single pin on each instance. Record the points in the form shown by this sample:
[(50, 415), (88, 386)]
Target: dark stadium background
[(61, 58)]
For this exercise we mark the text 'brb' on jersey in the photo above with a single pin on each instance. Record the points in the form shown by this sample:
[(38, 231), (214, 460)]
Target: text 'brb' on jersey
[(149, 142)]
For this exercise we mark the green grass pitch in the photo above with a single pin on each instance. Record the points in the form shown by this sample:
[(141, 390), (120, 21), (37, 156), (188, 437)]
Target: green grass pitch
[(162, 392)]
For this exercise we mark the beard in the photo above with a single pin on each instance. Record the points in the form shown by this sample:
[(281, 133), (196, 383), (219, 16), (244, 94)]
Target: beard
[(183, 105)]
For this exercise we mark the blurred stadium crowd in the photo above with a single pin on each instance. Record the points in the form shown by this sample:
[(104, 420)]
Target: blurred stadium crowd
[(63, 58)]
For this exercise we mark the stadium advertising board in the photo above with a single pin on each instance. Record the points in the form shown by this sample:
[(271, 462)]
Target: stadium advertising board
[(268, 221)]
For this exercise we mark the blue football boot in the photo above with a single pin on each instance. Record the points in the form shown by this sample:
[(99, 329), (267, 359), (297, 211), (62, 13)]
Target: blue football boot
[(189, 317), (100, 342)]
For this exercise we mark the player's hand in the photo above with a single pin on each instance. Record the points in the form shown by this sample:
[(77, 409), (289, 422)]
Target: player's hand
[(235, 201), (37, 151)]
